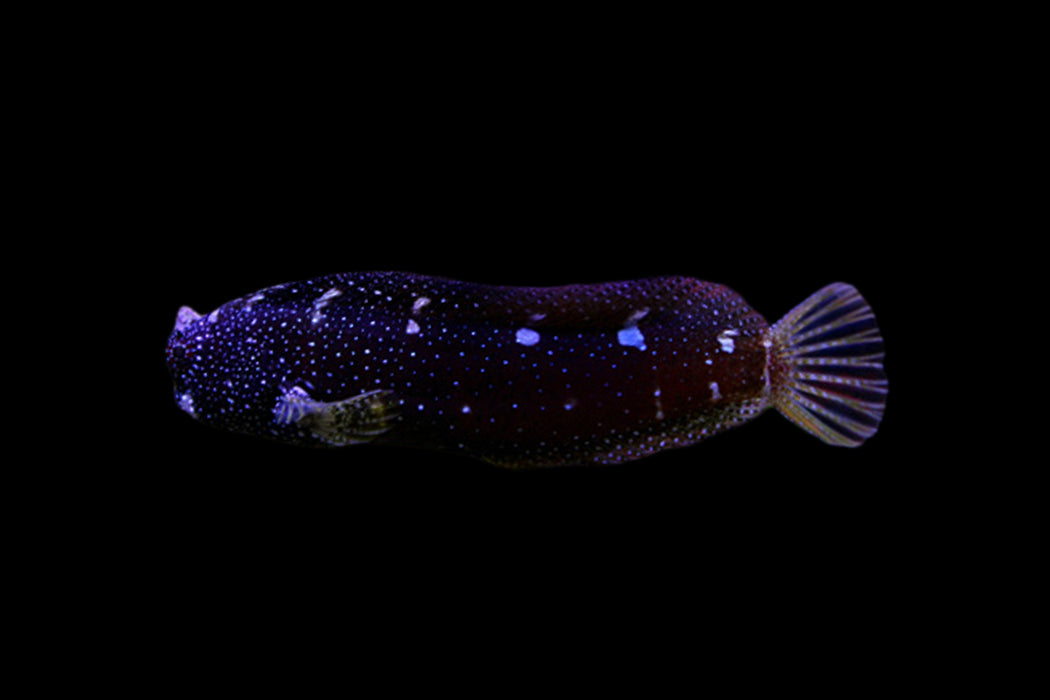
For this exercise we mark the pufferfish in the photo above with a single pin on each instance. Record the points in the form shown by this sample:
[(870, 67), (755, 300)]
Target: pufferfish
[(525, 376)]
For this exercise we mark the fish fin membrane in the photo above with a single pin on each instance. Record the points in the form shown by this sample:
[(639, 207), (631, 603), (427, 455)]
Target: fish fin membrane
[(350, 421), (825, 365)]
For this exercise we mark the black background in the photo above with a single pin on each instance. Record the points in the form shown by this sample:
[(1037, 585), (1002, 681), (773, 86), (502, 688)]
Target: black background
[(505, 184), (772, 169), (775, 188)]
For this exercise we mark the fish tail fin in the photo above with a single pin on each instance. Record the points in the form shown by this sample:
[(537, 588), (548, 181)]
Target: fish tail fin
[(825, 366)]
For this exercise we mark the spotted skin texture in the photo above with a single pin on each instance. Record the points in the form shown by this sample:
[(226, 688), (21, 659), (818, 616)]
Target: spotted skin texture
[(517, 376)]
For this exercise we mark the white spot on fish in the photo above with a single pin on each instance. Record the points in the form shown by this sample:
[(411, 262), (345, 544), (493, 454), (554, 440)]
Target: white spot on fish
[(638, 315), (419, 304), (537, 317), (527, 336), (466, 409), (321, 302), (328, 296), (412, 328), (725, 340), (259, 296), (185, 317), (186, 403), (631, 337), (715, 393), (570, 404)]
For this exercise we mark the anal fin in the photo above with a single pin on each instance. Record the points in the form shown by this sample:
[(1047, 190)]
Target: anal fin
[(349, 421)]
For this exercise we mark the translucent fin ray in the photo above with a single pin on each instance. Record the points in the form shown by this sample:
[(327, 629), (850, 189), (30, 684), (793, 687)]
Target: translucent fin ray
[(825, 366), (347, 422)]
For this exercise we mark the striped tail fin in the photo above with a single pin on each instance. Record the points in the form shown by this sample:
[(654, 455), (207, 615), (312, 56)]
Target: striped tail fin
[(825, 366)]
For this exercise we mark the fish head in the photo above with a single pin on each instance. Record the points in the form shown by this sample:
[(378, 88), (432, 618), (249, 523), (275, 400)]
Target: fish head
[(209, 367), (183, 354)]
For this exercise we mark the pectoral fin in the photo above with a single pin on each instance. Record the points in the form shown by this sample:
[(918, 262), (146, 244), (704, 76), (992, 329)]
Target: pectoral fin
[(347, 422)]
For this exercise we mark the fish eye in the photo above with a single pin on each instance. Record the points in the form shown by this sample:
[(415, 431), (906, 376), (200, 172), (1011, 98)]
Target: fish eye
[(178, 352)]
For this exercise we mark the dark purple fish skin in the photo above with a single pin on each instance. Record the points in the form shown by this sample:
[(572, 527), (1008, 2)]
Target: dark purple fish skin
[(518, 376)]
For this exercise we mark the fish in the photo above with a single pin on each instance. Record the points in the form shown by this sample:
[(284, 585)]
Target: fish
[(525, 377)]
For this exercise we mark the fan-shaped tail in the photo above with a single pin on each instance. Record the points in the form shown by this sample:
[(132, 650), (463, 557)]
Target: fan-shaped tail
[(825, 366)]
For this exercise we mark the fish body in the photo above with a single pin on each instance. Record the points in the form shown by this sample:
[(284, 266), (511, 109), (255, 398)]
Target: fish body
[(524, 376)]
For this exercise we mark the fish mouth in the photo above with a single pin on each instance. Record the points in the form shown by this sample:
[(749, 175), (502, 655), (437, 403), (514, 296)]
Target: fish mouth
[(185, 402)]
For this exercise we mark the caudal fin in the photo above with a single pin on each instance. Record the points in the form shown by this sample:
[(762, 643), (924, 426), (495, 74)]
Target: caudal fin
[(825, 366)]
